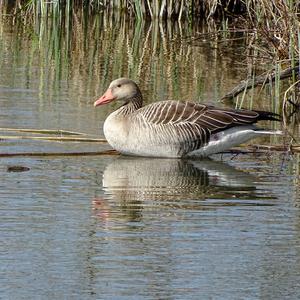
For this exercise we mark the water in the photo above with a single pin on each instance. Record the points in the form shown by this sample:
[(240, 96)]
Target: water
[(111, 227)]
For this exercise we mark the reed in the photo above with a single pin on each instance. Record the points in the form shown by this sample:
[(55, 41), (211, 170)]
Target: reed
[(254, 10), (41, 131), (273, 23)]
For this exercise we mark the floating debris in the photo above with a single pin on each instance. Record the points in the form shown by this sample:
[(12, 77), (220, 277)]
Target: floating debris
[(17, 169)]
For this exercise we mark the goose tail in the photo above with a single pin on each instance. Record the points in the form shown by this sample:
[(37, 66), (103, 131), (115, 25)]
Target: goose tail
[(267, 115), (268, 132)]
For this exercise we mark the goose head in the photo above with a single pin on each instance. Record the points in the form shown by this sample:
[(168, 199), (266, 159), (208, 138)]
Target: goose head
[(122, 89)]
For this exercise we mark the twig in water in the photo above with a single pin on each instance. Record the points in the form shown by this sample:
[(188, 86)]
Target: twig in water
[(42, 131), (51, 154), (52, 138)]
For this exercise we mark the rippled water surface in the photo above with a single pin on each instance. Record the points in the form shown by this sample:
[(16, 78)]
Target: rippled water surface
[(113, 227)]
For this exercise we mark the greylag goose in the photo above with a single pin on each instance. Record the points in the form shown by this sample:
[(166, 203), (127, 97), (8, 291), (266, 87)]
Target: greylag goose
[(174, 128)]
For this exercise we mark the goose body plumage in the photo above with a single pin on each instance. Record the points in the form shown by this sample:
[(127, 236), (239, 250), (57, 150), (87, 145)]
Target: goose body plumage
[(174, 128)]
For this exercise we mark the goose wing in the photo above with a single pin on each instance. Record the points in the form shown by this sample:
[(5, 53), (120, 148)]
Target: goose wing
[(192, 123), (207, 116)]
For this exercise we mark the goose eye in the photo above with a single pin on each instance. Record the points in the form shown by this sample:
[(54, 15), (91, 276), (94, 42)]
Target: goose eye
[(119, 85)]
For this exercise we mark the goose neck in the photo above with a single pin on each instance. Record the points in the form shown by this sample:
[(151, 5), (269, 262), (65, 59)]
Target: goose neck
[(132, 105)]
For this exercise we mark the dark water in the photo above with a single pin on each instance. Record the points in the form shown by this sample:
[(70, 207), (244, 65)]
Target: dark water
[(111, 227)]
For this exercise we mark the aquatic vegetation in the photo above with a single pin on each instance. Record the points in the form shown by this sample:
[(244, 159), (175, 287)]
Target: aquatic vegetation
[(269, 29), (273, 25)]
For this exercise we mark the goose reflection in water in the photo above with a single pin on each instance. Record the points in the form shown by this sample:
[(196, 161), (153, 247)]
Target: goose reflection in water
[(134, 184)]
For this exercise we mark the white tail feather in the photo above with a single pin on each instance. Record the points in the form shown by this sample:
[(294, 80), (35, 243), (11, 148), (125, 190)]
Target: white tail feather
[(272, 132), (231, 137)]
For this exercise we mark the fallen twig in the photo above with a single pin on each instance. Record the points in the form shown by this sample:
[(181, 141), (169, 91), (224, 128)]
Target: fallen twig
[(278, 148), (52, 138), (252, 149), (265, 148), (42, 131), (50, 154)]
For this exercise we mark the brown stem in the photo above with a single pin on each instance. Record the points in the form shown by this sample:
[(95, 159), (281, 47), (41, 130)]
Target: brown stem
[(259, 80)]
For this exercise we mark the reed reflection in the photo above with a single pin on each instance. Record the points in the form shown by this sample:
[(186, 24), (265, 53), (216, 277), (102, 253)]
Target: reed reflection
[(87, 54)]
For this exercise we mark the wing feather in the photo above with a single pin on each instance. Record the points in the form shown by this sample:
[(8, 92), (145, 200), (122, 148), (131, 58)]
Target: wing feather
[(192, 124)]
